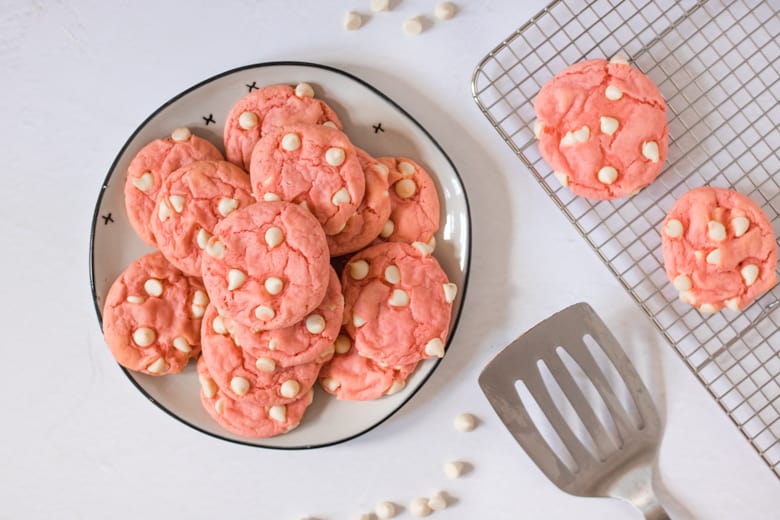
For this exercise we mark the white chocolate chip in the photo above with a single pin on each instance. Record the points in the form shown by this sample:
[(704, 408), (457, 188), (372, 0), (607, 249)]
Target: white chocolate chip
[(304, 90), (392, 274), (708, 308), (158, 366), (272, 344), (424, 248), (413, 26), (713, 257), (278, 413), (437, 502), (538, 128), (732, 304), (203, 238), (335, 156), (396, 387), (135, 299), (145, 182), (330, 384), (399, 298), (144, 336), (363, 516), (609, 125), (218, 324), (387, 229), (330, 124), (650, 151), (342, 344), (567, 139), (315, 323), (382, 169), (385, 510), (265, 313), (271, 197), (219, 406), (236, 279), (177, 201), (181, 134), (582, 135), (341, 197), (607, 175), (248, 120), (358, 269), (352, 21), (619, 59), (153, 287), (273, 285), (613, 93), (673, 228), (208, 385), (357, 321), (464, 422), (716, 231), (239, 385), (198, 311), (687, 297), (216, 249), (291, 142), (562, 178), (328, 353), (182, 345), (304, 205), (380, 5), (164, 212), (450, 291), (453, 469), (405, 188), (290, 388), (265, 364), (682, 283), (200, 298), (227, 206), (274, 236), (444, 10), (406, 168), (435, 348), (419, 507), (749, 274), (740, 225), (432, 243)]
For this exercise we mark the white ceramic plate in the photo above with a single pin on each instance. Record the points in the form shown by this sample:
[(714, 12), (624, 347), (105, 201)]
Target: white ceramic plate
[(362, 109)]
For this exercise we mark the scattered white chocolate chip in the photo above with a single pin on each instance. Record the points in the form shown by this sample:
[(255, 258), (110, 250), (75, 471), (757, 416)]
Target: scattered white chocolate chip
[(227, 206), (399, 298), (236, 279), (290, 388), (444, 10), (208, 385), (153, 287), (331, 384), (392, 274), (265, 364), (239, 385), (650, 151), (357, 321), (396, 387), (304, 90), (382, 169), (713, 257), (607, 175), (315, 323), (562, 178), (432, 243), (200, 298), (687, 297), (673, 228), (352, 21), (216, 249), (538, 127), (358, 269), (158, 366), (406, 168), (450, 291), (274, 236), (181, 134), (272, 344), (437, 502), (423, 248), (613, 93), (144, 182), (342, 344), (341, 197), (464, 422), (413, 26), (219, 406), (218, 324), (380, 5), (291, 142), (708, 308), (335, 156), (177, 201), (567, 139), (385, 510), (363, 516), (682, 283), (328, 353), (453, 469), (273, 285), (144, 336), (435, 348), (135, 299), (419, 507), (202, 238), (749, 274), (182, 345), (330, 124), (740, 225), (271, 197), (405, 188), (164, 212), (577, 136), (248, 120), (265, 313), (304, 205), (278, 413), (609, 125), (387, 229), (732, 304), (619, 59)]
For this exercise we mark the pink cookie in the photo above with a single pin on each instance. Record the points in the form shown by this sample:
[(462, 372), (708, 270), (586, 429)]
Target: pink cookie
[(241, 375), (719, 249), (267, 265), (244, 417), (309, 341), (152, 316), (602, 128), (366, 223), (190, 203), (266, 109), (398, 304), (151, 165), (352, 377), (312, 165), (415, 202)]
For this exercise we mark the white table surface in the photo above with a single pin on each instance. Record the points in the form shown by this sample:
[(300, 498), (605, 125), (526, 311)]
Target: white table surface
[(79, 441)]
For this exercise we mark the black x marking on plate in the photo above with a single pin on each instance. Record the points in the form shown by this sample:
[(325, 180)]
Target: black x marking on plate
[(209, 119), (253, 86), (378, 128), (107, 218)]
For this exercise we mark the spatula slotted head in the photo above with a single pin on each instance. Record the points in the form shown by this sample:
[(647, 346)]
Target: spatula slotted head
[(568, 330)]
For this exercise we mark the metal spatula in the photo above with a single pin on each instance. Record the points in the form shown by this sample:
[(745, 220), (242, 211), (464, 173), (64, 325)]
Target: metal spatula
[(620, 467)]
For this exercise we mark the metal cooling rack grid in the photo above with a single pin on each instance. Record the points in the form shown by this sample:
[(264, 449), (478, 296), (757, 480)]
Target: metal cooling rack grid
[(717, 65)]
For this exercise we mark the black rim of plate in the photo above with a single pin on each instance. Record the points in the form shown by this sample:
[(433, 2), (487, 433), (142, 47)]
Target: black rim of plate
[(111, 172)]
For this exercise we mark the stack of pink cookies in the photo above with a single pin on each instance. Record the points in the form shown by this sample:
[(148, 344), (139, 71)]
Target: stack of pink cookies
[(243, 280)]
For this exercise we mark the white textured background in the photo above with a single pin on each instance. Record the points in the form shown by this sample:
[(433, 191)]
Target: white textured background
[(78, 441)]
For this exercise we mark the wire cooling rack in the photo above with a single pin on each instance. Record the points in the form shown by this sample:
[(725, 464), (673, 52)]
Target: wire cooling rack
[(717, 64)]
